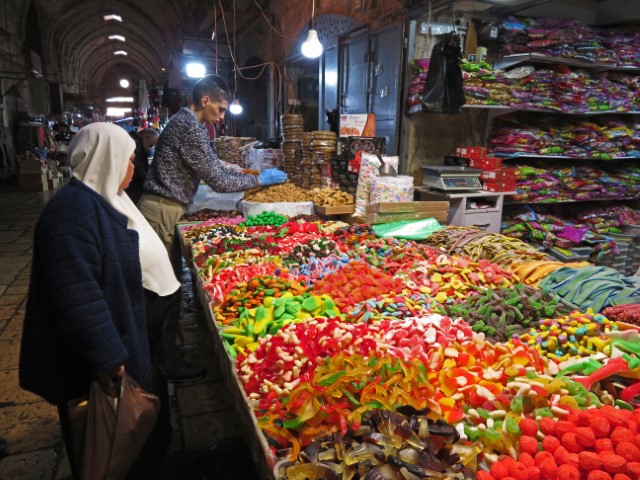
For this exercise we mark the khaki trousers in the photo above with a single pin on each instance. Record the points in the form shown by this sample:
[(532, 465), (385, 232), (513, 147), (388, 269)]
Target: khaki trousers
[(163, 214)]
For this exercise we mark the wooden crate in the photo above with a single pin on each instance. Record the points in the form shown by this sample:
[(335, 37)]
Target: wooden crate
[(406, 207), (326, 210)]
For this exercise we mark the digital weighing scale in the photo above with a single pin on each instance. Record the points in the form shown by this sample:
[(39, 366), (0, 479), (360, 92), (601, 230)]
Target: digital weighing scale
[(452, 178)]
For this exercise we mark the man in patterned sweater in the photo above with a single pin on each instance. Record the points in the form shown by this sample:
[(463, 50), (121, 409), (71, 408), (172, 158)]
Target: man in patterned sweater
[(183, 157)]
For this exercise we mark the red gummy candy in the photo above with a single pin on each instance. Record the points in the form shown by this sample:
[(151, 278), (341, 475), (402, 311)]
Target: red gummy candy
[(629, 451), (571, 459), (634, 468), (559, 454), (589, 461), (528, 444), (615, 416), (548, 469), (518, 471), (499, 470), (570, 442), (621, 434), (585, 436), (613, 463), (598, 475), (563, 426), (534, 473), (528, 426), (621, 476), (568, 472), (585, 417), (542, 456), (547, 425), (573, 417), (550, 443), (526, 459), (604, 445), (483, 475), (600, 426)]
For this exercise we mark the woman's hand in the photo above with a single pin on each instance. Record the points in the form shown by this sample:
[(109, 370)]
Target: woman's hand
[(111, 380)]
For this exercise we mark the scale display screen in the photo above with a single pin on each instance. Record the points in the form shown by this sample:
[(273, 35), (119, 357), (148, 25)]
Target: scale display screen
[(452, 178), (461, 182)]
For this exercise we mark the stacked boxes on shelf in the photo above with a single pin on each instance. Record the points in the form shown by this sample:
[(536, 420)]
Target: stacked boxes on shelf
[(495, 177), (345, 165)]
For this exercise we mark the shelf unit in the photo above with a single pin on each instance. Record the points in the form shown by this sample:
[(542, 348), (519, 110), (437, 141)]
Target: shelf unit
[(498, 110), (504, 109), (585, 200), (516, 59), (562, 157), (461, 212)]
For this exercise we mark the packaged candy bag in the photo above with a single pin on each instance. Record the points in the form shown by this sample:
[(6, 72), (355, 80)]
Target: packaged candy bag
[(391, 189), (369, 167)]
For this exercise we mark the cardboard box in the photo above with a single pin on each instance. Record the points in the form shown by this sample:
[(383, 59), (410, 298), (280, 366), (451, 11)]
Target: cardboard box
[(491, 163), (352, 178), (507, 175), (334, 209), (353, 165), (31, 165), (375, 218), (34, 182), (471, 152), (348, 182), (406, 207), (348, 147), (454, 161), (358, 125), (503, 186), (475, 163), (338, 170)]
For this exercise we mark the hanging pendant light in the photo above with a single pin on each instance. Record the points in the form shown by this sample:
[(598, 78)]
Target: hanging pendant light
[(235, 107), (312, 48)]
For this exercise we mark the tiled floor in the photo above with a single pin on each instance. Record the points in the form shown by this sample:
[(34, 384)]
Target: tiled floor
[(207, 441)]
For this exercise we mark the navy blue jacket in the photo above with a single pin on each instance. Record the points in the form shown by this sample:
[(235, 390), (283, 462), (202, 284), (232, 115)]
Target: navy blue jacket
[(85, 308)]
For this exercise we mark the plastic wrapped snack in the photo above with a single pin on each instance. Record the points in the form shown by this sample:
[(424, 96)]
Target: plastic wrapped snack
[(369, 167), (391, 189)]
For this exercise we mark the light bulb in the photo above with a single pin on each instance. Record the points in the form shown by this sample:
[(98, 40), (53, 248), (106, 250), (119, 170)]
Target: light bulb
[(196, 70), (124, 83), (235, 107), (312, 48)]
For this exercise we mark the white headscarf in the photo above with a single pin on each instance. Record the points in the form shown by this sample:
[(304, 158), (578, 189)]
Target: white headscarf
[(99, 156)]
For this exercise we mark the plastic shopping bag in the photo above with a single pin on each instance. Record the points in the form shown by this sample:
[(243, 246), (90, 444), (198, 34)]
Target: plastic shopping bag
[(108, 433), (410, 230), (443, 90), (205, 197)]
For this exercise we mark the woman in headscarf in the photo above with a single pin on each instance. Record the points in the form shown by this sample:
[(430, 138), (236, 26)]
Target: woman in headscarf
[(95, 258)]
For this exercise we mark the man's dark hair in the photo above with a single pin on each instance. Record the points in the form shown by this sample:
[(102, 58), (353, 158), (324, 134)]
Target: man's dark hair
[(212, 86), (148, 132)]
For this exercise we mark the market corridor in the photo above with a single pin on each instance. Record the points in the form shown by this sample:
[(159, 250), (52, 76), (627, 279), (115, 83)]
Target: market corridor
[(207, 440)]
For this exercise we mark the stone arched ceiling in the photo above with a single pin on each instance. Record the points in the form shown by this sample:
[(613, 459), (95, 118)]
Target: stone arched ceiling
[(77, 51)]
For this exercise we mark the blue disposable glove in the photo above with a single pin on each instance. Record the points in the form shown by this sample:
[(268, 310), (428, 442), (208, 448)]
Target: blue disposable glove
[(271, 177)]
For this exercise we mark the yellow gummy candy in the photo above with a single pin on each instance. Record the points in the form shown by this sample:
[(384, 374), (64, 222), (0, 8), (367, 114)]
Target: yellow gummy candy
[(441, 297)]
